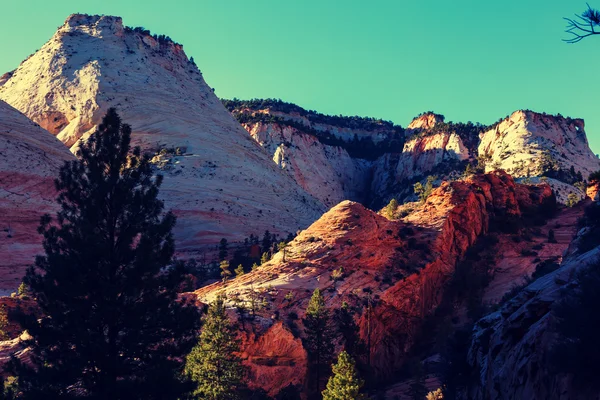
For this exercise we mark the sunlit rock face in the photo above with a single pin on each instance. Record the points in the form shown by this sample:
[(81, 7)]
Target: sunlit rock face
[(351, 254), (30, 158), (218, 181)]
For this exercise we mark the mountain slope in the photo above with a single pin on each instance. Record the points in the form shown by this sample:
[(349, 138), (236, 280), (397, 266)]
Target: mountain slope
[(218, 181), (352, 254), (30, 158)]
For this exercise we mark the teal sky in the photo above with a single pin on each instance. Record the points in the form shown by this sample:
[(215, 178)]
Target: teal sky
[(467, 59)]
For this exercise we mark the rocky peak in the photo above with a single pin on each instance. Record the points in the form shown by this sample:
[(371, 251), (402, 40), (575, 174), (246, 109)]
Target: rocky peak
[(218, 181), (425, 121), (93, 25)]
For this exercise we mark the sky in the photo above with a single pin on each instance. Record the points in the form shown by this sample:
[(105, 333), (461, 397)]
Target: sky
[(470, 60)]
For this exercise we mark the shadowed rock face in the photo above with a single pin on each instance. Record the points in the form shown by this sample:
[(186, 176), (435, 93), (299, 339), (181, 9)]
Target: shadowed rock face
[(30, 158), (510, 347), (404, 264), (218, 181)]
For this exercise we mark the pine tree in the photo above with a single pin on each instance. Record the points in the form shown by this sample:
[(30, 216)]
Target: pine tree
[(344, 384), (267, 241), (390, 209), (239, 271), (349, 331), (113, 327), (223, 251), (319, 337), (282, 246), (265, 258), (225, 271), (213, 364)]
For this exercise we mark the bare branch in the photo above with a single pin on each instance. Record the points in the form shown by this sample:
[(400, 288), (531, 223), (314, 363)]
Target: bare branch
[(583, 25)]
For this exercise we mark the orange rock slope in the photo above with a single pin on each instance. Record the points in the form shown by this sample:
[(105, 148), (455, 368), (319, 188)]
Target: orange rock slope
[(355, 255)]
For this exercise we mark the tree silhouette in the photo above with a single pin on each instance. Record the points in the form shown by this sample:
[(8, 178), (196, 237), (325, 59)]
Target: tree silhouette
[(113, 327)]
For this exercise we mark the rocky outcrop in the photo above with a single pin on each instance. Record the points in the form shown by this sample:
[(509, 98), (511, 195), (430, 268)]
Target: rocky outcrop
[(509, 351), (425, 122), (353, 254), (533, 144), (218, 181), (327, 172), (30, 158)]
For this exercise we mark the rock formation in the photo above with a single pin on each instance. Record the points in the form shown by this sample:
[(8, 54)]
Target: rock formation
[(353, 254), (30, 158), (218, 181), (509, 352)]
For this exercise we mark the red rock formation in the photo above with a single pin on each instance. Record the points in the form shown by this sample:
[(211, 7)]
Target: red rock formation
[(404, 264)]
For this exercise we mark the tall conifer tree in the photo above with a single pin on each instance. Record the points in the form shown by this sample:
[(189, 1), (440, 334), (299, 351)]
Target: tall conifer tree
[(213, 364), (319, 338), (112, 326), (344, 384)]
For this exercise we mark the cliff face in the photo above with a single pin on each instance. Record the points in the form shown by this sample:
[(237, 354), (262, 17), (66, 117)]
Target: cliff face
[(326, 172), (404, 265), (509, 351), (529, 143), (218, 181), (30, 158)]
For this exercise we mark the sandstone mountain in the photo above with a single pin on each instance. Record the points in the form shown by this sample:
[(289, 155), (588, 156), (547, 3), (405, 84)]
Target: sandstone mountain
[(30, 158), (218, 181), (370, 161), (402, 267)]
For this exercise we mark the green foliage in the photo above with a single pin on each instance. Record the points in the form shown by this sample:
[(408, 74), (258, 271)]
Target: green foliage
[(239, 271), (10, 388), (113, 326), (581, 185), (349, 331), (319, 338), (423, 191), (225, 271), (3, 323), (213, 364), (391, 208), (437, 394), (264, 258), (572, 200), (344, 384), (594, 177), (337, 274), (282, 246), (23, 290)]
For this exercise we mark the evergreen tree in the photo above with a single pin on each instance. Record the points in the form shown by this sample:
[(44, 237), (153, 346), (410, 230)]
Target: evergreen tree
[(282, 246), (349, 331), (344, 384), (223, 251), (319, 338), (390, 209), (265, 258), (23, 290), (213, 364), (113, 327), (225, 271), (267, 241), (239, 271)]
